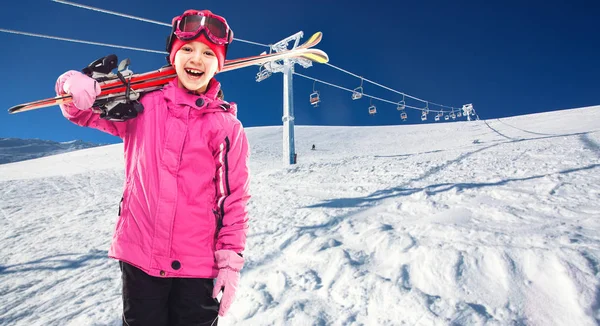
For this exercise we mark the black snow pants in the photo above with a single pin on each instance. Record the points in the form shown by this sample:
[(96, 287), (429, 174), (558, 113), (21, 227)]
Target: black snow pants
[(155, 301)]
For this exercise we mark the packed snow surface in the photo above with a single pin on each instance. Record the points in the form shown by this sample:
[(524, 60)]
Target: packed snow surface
[(467, 223)]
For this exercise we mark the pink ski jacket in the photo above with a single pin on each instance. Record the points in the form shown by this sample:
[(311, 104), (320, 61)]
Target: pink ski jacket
[(186, 181)]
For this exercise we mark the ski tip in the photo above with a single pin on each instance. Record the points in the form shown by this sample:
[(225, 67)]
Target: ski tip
[(313, 38), (40, 104), (316, 55), (15, 109)]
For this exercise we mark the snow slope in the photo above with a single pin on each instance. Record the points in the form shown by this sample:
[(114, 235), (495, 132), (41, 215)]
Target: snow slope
[(467, 223)]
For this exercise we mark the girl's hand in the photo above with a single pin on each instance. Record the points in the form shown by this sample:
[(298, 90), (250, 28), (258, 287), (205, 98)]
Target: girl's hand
[(82, 88), (230, 264)]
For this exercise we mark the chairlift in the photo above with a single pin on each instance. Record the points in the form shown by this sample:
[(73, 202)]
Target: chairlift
[(314, 96), (468, 110), (372, 109), (458, 115), (401, 105), (403, 116), (425, 112), (437, 117), (446, 117), (358, 92), (453, 116)]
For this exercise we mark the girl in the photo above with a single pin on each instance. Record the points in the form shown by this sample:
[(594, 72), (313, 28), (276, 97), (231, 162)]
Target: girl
[(183, 217)]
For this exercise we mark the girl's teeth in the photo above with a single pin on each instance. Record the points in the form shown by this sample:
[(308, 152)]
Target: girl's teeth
[(194, 72)]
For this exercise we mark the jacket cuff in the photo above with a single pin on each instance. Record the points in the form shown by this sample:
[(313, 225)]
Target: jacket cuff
[(229, 259)]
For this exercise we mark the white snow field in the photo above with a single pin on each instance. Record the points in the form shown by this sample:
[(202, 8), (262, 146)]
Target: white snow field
[(468, 223)]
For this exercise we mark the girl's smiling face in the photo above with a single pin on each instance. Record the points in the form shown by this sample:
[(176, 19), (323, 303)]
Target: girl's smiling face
[(195, 64)]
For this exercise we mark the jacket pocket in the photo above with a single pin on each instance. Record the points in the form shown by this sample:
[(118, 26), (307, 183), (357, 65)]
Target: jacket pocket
[(120, 206), (123, 212)]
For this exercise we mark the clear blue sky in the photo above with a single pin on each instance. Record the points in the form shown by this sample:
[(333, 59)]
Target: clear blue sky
[(506, 57)]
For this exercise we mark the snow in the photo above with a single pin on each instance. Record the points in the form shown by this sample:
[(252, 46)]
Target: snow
[(466, 223)]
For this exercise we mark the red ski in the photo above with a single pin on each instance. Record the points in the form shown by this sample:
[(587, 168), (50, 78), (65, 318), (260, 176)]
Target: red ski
[(117, 86)]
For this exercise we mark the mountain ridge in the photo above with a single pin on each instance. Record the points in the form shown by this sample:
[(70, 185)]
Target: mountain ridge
[(18, 149)]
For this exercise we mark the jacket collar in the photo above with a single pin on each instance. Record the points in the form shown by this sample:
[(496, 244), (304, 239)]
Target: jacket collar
[(210, 103)]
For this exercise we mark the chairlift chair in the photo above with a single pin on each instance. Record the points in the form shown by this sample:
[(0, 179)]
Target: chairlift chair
[(372, 108), (446, 117), (314, 96), (453, 116), (358, 92), (458, 115), (423, 116), (401, 105), (437, 117), (403, 116)]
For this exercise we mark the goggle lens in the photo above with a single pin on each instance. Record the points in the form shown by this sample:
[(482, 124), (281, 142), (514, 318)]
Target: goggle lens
[(194, 23)]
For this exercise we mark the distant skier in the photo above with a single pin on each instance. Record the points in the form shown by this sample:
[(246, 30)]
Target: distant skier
[(313, 147), (183, 216)]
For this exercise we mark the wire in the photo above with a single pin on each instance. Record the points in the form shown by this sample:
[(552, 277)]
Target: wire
[(79, 41), (363, 94), (112, 12), (137, 18), (389, 89)]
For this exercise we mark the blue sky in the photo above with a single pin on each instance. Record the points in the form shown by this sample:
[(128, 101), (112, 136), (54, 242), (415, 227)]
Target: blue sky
[(506, 57)]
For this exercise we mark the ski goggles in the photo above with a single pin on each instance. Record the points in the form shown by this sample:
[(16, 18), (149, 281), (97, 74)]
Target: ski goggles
[(189, 26)]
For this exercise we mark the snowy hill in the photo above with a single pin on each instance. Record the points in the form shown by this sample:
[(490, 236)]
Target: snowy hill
[(15, 149), (467, 223)]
